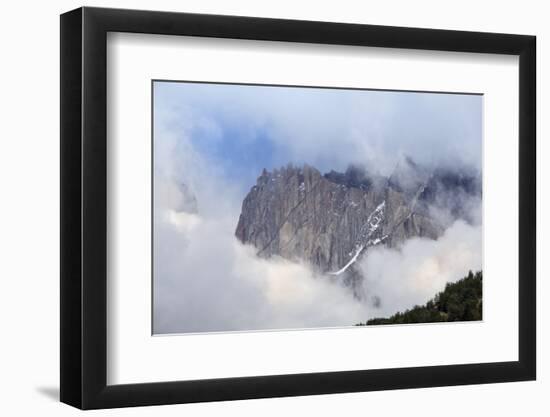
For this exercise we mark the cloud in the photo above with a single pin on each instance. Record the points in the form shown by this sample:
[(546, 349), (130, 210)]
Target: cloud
[(327, 128), (206, 280), (414, 272), (216, 140)]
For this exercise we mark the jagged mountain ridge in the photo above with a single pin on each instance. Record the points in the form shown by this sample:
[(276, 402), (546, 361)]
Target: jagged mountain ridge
[(331, 220)]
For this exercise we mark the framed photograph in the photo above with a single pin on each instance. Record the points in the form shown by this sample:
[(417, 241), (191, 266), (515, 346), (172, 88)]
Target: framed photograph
[(257, 208)]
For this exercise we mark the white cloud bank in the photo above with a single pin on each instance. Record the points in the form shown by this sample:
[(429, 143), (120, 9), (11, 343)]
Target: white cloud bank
[(413, 273), (205, 280)]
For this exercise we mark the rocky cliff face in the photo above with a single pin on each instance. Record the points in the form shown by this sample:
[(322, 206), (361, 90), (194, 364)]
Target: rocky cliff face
[(331, 220)]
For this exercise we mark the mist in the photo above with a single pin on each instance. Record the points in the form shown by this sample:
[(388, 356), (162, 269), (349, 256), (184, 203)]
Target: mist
[(247, 128), (400, 278), (216, 141), (205, 280)]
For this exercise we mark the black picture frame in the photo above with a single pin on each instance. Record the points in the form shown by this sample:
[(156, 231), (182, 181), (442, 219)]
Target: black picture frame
[(84, 207)]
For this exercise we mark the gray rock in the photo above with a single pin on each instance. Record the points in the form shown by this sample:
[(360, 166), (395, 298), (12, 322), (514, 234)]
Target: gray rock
[(331, 220)]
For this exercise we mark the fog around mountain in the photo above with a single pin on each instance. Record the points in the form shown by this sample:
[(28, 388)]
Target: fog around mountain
[(206, 279)]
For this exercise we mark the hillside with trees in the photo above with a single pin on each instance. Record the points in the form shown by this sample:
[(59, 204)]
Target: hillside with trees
[(459, 301)]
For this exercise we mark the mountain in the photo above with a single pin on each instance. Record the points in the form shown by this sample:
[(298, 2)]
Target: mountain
[(330, 221)]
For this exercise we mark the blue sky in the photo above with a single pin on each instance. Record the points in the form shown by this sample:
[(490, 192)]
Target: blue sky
[(241, 129)]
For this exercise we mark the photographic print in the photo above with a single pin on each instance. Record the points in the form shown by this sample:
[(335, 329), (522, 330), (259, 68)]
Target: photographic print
[(289, 207)]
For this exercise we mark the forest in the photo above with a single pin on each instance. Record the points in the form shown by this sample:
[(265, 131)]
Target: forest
[(459, 301)]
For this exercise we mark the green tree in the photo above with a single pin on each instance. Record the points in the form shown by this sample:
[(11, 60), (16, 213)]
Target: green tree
[(459, 301)]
